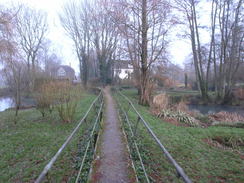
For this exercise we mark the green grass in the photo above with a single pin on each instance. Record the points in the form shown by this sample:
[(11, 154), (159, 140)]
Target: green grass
[(201, 161), (27, 146)]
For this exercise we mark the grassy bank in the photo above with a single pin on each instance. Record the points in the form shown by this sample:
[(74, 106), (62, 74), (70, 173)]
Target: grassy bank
[(28, 145), (195, 149)]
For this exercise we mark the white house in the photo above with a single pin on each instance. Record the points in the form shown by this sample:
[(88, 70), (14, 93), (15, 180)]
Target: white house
[(123, 69)]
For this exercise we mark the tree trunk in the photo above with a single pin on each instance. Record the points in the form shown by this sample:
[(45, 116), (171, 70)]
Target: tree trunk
[(144, 97), (85, 70), (186, 80)]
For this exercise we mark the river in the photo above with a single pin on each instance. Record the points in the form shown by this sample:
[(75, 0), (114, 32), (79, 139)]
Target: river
[(210, 109)]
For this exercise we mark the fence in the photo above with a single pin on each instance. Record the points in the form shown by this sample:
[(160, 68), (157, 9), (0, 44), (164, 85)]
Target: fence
[(87, 138), (135, 139)]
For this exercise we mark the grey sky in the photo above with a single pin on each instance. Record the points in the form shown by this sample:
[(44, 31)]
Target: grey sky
[(61, 43)]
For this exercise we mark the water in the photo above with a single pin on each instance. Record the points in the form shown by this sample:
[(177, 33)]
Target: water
[(5, 103), (8, 102), (210, 109)]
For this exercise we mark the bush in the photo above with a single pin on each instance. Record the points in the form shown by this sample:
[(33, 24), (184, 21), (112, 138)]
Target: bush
[(45, 98), (182, 117), (66, 97), (181, 106), (160, 102), (227, 119), (239, 93), (179, 111), (59, 95)]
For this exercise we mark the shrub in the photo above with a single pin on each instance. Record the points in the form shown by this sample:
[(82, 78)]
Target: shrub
[(181, 106), (229, 141), (239, 93), (59, 95), (180, 116), (226, 117), (66, 97), (45, 98), (160, 102)]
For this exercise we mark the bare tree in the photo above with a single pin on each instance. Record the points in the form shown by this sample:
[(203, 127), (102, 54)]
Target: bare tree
[(31, 28), (231, 28), (9, 54), (105, 38), (14, 73), (47, 58), (224, 49), (188, 7), (145, 24), (76, 20)]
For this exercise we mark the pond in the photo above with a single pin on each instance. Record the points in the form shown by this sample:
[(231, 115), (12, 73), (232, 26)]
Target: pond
[(8, 102), (5, 103), (210, 109)]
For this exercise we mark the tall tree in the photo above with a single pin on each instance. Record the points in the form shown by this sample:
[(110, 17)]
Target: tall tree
[(9, 55), (230, 45), (105, 38), (76, 20), (31, 28), (144, 25), (188, 7), (224, 48)]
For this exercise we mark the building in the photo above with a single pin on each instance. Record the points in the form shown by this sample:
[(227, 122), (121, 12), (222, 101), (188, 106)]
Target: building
[(64, 72), (122, 69)]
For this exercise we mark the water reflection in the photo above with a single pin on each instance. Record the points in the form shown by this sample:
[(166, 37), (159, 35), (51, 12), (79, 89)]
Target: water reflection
[(5, 103)]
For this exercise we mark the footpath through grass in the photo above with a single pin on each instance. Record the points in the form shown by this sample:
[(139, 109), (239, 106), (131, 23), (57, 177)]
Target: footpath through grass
[(202, 161), (27, 146)]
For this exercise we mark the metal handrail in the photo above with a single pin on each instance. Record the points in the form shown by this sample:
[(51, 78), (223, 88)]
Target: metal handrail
[(178, 168), (98, 118), (54, 158), (136, 146)]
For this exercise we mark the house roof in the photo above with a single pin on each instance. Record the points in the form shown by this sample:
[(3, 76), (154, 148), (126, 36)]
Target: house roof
[(68, 69), (122, 64)]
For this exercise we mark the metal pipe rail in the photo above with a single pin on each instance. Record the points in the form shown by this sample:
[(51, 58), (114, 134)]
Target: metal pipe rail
[(98, 119), (54, 158), (135, 144), (179, 170)]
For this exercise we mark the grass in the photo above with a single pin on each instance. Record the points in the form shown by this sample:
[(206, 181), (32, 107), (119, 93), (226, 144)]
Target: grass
[(27, 146), (202, 162)]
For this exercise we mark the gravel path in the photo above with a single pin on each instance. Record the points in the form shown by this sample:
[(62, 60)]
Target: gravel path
[(112, 164)]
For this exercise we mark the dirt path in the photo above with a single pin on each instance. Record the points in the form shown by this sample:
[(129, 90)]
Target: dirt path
[(112, 164)]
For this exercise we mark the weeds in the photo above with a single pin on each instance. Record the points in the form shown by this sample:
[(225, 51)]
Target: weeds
[(162, 108), (227, 119), (180, 116)]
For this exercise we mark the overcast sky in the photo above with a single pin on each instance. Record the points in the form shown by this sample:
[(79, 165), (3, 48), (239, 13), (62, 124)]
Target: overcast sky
[(179, 49), (61, 43)]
